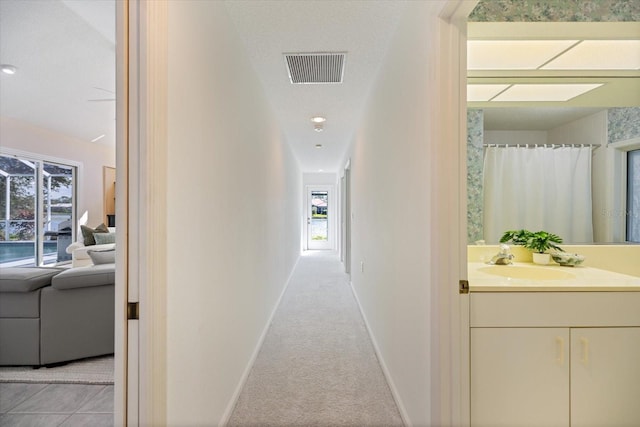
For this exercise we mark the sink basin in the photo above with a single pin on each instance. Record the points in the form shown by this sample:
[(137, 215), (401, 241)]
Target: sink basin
[(528, 273)]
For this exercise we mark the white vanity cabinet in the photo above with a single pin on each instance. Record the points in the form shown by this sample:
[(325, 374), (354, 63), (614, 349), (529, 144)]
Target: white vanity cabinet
[(555, 359), (605, 377)]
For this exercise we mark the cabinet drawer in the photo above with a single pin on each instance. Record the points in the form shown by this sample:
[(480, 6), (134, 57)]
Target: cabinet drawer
[(554, 309)]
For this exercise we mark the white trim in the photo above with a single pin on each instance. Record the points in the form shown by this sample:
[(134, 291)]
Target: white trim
[(245, 375), (617, 175), (451, 391), (626, 145), (385, 370), (146, 204), (122, 410), (332, 213), (38, 157)]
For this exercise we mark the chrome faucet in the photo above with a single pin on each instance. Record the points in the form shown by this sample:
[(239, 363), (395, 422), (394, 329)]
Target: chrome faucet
[(503, 257)]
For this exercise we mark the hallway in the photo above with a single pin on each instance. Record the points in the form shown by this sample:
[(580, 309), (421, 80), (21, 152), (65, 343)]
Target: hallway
[(317, 365)]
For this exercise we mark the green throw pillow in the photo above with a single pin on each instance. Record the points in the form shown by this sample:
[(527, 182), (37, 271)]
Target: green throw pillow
[(88, 232), (104, 238)]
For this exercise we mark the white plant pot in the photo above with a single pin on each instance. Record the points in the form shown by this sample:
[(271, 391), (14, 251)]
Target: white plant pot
[(542, 259)]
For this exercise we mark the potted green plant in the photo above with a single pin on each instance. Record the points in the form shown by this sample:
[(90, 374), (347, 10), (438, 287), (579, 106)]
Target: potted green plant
[(538, 242)]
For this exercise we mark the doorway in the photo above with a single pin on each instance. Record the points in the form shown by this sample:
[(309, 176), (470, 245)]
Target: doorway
[(319, 210)]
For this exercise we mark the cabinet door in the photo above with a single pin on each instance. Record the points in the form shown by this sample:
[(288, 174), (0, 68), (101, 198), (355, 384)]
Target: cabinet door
[(605, 377), (519, 377)]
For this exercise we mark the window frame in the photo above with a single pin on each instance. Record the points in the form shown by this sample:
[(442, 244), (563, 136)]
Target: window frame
[(40, 160)]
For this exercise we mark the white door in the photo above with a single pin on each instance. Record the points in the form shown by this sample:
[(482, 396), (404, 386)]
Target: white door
[(605, 377), (319, 220), (519, 377)]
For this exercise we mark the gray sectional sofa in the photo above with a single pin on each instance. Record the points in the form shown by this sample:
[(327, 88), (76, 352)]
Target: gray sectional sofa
[(50, 316)]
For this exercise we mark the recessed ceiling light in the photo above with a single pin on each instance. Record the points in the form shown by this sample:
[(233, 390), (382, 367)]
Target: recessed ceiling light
[(320, 170), (8, 69), (318, 127), (98, 138), (318, 119), (513, 54), (318, 145), (544, 92), (599, 55), (477, 93)]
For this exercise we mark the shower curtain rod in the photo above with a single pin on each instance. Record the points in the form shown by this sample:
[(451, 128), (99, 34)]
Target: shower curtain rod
[(593, 146)]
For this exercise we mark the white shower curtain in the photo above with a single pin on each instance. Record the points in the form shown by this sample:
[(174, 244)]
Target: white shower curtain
[(539, 188)]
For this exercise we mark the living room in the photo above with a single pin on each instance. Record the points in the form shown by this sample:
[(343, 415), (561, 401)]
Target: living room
[(57, 162)]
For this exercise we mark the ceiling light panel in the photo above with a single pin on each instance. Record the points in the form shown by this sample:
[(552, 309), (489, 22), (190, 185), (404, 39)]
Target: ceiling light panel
[(544, 92), (599, 55), (513, 54), (478, 93)]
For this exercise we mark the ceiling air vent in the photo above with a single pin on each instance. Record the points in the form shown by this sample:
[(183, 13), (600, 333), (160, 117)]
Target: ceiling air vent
[(315, 68)]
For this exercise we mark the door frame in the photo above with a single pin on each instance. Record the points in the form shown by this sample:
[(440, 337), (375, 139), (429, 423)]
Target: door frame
[(331, 216), (345, 218), (141, 161)]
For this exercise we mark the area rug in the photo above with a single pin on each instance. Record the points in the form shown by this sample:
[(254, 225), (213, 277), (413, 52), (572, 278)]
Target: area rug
[(96, 370)]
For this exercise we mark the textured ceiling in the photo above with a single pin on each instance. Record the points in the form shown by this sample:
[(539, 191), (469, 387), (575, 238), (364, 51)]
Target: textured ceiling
[(363, 29), (65, 55)]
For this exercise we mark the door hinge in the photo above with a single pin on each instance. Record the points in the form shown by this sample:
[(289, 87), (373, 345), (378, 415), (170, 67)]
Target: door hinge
[(133, 311), (464, 286)]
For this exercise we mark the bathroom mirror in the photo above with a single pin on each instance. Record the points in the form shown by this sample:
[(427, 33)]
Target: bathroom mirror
[(517, 74)]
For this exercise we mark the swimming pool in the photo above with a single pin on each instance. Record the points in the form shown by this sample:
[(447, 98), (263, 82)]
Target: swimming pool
[(19, 250)]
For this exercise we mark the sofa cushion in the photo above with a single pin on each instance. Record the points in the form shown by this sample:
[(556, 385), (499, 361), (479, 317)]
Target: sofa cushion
[(83, 252), (88, 232), (83, 277), (102, 257), (104, 238), (25, 279)]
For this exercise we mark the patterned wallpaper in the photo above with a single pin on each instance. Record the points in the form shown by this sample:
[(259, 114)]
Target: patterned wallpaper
[(556, 10), (624, 123), (475, 138)]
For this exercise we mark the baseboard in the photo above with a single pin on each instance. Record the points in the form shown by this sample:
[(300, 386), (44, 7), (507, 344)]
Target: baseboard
[(245, 375), (394, 391)]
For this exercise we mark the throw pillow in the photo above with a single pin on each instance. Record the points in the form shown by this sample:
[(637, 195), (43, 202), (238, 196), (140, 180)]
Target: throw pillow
[(88, 232), (102, 257), (104, 238)]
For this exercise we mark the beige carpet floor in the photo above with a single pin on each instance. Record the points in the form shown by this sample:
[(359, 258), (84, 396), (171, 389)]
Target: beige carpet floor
[(317, 365)]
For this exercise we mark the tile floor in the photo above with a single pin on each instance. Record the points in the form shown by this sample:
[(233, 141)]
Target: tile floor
[(53, 405)]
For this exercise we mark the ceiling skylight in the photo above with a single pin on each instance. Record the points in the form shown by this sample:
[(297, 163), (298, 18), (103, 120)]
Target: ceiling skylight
[(599, 55), (544, 92), (478, 93), (513, 54)]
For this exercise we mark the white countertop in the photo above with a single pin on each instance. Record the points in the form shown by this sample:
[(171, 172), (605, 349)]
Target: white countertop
[(529, 277)]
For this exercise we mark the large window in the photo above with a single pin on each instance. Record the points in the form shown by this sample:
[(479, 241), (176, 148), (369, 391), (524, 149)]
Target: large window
[(37, 211), (633, 196)]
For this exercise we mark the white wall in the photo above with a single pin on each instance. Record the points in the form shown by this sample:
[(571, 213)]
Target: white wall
[(591, 129), (23, 136), (395, 193), (318, 178), (234, 189), (513, 137)]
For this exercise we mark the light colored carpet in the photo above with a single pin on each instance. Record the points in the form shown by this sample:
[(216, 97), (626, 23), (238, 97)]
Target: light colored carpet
[(317, 366), (96, 370)]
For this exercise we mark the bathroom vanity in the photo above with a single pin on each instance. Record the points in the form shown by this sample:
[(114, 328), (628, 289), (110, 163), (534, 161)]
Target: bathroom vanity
[(554, 346)]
